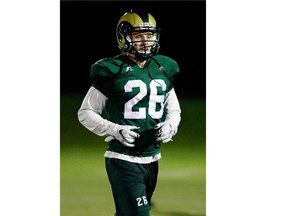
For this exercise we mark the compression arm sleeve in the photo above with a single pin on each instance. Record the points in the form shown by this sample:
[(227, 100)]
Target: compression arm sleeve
[(173, 110), (89, 114)]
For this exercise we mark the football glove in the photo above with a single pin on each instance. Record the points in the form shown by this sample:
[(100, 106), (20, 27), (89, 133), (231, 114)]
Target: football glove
[(124, 134), (165, 132)]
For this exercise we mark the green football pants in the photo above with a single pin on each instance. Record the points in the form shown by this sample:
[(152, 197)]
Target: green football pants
[(132, 186)]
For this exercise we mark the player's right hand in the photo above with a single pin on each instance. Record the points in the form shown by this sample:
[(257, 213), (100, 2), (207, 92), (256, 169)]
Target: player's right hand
[(165, 132), (124, 134)]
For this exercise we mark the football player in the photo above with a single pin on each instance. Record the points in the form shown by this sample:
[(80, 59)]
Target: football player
[(136, 90)]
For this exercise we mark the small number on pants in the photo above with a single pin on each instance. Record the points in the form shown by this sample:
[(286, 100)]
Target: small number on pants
[(141, 201)]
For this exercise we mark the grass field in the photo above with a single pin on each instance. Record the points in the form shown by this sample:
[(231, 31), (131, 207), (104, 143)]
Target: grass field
[(84, 187)]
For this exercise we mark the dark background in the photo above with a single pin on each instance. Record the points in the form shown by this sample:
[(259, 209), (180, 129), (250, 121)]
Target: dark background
[(87, 34)]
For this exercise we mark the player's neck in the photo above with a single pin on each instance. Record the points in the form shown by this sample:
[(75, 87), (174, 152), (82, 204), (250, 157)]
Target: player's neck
[(141, 64)]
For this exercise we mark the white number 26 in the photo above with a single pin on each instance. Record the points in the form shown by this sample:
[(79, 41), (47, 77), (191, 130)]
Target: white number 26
[(154, 98)]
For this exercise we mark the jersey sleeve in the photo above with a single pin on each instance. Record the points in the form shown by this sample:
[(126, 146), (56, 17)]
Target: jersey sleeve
[(101, 76), (173, 70), (169, 67)]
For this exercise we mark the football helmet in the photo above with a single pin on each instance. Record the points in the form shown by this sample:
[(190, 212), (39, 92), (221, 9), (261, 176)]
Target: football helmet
[(136, 22)]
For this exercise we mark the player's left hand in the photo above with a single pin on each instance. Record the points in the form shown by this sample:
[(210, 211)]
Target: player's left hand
[(165, 132)]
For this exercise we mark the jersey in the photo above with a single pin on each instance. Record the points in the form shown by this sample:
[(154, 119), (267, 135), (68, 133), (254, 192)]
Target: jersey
[(136, 96)]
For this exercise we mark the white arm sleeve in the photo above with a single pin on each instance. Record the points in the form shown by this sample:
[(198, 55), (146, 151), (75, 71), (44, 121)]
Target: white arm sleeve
[(173, 109), (90, 112)]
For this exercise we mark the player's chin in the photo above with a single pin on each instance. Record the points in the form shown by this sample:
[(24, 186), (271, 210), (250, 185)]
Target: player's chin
[(146, 50)]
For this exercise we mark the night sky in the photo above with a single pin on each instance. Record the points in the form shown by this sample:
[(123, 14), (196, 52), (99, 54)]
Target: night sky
[(87, 34)]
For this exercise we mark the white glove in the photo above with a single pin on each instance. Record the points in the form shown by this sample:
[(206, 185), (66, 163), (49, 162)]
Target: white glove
[(124, 134), (165, 132)]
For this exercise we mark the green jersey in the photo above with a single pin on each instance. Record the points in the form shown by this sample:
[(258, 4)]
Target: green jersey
[(136, 96)]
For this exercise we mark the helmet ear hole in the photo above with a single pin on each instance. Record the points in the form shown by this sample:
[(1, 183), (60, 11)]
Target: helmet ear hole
[(128, 38)]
